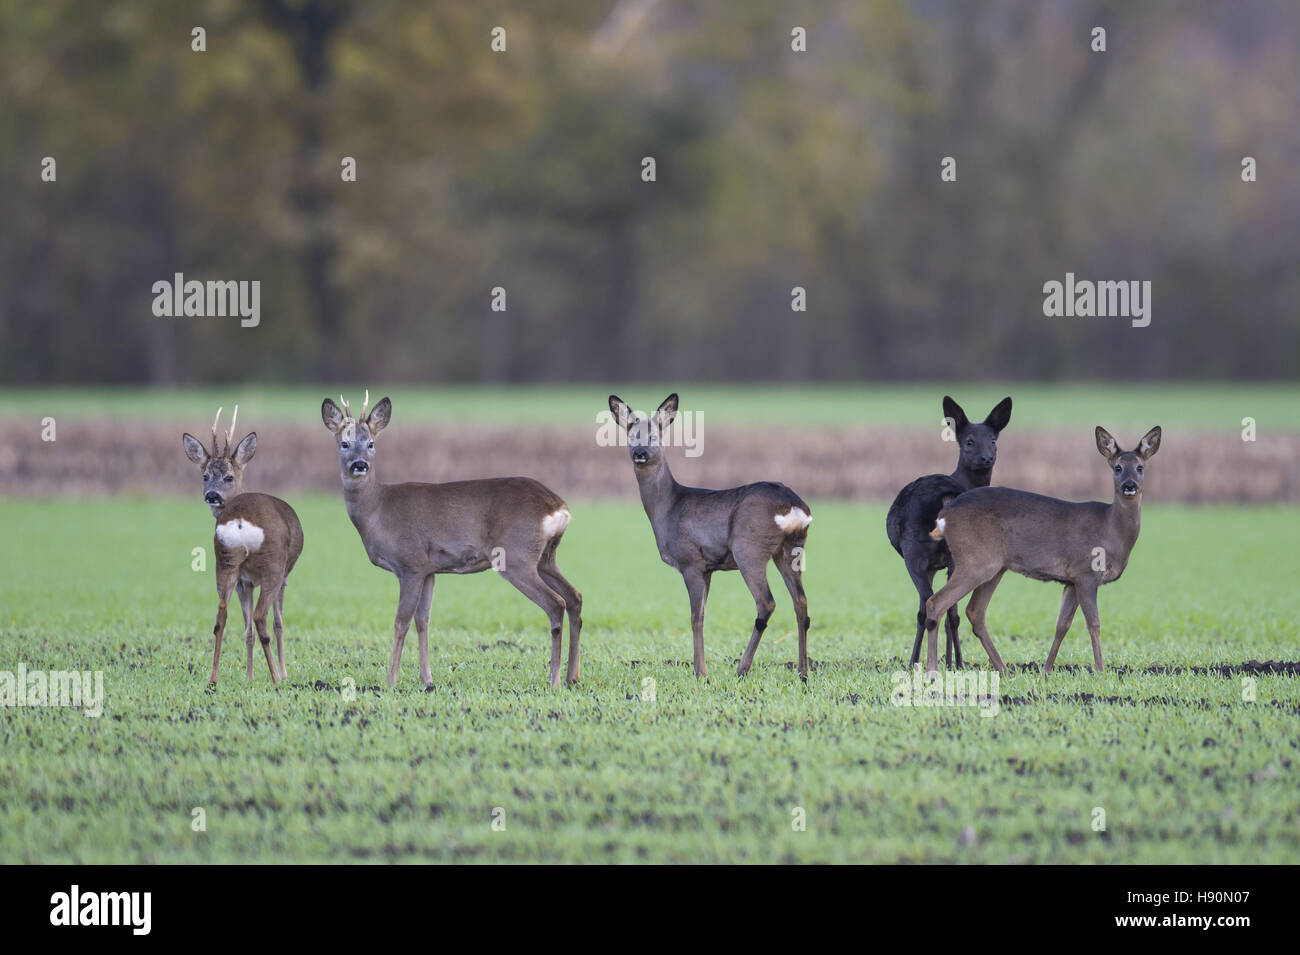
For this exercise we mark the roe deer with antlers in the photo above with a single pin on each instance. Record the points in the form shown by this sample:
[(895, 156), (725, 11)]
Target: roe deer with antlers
[(415, 531), (257, 542), (699, 531), (1083, 545)]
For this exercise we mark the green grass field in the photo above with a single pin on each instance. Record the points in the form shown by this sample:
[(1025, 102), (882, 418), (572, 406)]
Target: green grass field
[(1196, 406), (1185, 770)]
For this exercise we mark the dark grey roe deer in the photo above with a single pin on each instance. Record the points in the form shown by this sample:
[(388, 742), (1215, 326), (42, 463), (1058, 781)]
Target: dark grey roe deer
[(416, 531), (1083, 545), (912, 515), (699, 531)]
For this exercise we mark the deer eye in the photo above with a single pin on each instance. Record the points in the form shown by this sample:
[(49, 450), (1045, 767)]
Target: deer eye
[(345, 445), (1139, 469), (205, 477), (1118, 469), (229, 478), (371, 446)]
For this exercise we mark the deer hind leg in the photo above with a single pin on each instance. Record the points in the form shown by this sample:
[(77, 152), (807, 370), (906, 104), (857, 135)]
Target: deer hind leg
[(529, 582), (951, 624), (1069, 604), (550, 573), (754, 570), (226, 581), (245, 593), (279, 628), (422, 610), (957, 586), (266, 600), (975, 610), (791, 567), (408, 598), (923, 581)]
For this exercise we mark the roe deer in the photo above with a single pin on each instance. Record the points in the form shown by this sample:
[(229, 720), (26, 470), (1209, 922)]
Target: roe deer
[(911, 517), (257, 542), (415, 531), (1082, 545), (699, 531)]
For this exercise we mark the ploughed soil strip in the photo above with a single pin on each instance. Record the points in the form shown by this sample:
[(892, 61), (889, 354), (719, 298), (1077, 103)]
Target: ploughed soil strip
[(857, 463)]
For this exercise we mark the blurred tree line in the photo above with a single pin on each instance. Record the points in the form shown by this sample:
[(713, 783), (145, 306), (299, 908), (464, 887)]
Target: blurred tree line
[(522, 170)]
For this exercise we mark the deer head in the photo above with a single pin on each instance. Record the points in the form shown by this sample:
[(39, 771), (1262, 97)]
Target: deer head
[(644, 435), (222, 468), (1127, 465), (356, 436)]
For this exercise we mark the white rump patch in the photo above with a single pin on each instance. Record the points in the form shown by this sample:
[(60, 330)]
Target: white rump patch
[(796, 520), (940, 524), (240, 533), (553, 524)]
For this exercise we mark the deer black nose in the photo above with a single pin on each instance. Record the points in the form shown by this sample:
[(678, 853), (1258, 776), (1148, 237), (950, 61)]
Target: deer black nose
[(1129, 487), (212, 497), (987, 460), (640, 456), (360, 467)]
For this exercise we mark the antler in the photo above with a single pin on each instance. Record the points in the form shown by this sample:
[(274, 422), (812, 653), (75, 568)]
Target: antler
[(230, 434), (347, 409), (214, 433)]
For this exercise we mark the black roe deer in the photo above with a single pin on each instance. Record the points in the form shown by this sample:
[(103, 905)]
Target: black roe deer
[(258, 540), (911, 517), (1082, 545), (699, 531), (415, 531)]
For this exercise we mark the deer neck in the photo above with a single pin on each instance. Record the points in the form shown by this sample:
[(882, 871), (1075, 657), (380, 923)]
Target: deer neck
[(1125, 519), (362, 499), (658, 491), (972, 479)]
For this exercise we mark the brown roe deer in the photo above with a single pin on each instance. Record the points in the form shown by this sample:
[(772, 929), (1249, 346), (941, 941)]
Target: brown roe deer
[(258, 540), (1082, 545), (699, 531), (414, 531)]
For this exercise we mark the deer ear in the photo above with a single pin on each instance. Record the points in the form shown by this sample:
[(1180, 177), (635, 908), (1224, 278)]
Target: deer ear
[(331, 415), (245, 450), (194, 449), (1105, 443), (622, 413), (1000, 416), (1150, 443), (667, 411), (953, 412), (379, 417)]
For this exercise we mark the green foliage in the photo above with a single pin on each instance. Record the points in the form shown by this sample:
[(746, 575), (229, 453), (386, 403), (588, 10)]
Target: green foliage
[(1185, 770)]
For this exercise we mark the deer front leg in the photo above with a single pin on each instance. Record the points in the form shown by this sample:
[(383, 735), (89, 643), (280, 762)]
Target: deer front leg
[(1088, 603), (408, 598), (422, 628), (1069, 603), (697, 588)]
